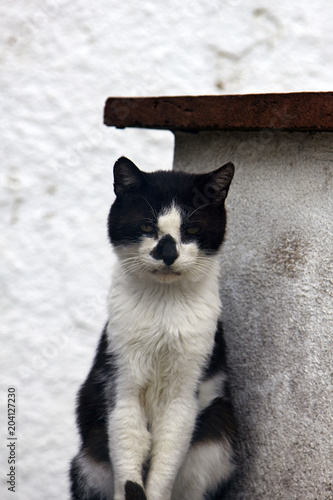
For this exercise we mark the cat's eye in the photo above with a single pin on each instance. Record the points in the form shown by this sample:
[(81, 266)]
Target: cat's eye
[(192, 229), (147, 228)]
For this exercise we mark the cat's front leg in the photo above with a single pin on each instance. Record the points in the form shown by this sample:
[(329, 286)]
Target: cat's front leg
[(172, 431), (129, 442)]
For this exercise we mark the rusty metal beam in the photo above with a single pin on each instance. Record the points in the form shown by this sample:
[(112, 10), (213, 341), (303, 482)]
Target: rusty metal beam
[(302, 111)]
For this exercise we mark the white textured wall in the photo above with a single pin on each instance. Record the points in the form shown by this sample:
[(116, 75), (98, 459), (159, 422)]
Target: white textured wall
[(59, 60)]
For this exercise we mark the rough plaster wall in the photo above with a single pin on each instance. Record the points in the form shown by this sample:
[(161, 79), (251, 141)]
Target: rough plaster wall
[(59, 61), (277, 294)]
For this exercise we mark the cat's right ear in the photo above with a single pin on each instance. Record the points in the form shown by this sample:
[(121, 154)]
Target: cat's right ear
[(127, 176)]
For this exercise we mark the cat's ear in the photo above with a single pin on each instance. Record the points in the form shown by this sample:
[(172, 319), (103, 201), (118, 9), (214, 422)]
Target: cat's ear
[(219, 182), (127, 176)]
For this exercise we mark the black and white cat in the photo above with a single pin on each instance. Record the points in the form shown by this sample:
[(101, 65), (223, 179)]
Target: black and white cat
[(154, 414)]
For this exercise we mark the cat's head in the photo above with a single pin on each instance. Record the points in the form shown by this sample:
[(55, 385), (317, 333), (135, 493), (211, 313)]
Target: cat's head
[(168, 225)]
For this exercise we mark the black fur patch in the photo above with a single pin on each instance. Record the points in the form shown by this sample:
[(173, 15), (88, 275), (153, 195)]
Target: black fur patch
[(165, 250), (218, 359), (91, 411), (92, 421), (215, 423), (220, 494), (142, 196), (133, 491)]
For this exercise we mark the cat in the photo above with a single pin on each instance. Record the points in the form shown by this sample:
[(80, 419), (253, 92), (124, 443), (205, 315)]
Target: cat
[(154, 413)]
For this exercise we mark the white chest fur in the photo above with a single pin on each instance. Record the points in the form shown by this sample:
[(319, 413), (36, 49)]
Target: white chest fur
[(156, 328), (162, 335)]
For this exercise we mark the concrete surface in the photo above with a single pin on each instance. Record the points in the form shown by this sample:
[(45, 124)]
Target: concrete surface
[(277, 295)]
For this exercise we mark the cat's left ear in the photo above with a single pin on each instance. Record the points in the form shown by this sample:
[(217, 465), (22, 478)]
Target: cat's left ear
[(219, 182), (127, 176)]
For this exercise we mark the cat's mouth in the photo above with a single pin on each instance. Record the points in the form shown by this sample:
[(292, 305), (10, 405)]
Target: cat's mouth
[(166, 274), (166, 271)]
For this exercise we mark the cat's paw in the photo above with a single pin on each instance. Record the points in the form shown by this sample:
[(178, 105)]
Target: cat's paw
[(133, 491)]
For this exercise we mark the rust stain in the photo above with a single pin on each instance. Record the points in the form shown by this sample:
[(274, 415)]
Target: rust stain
[(287, 255)]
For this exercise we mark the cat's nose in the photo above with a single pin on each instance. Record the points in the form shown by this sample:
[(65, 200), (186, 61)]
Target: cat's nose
[(165, 250)]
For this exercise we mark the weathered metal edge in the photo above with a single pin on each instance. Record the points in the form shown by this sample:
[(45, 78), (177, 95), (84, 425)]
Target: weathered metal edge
[(302, 111)]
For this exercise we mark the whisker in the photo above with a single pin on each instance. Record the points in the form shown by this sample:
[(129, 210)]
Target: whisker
[(133, 265), (198, 208), (151, 208)]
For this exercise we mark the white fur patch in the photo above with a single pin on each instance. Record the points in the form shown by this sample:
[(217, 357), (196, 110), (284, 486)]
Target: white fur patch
[(211, 389), (97, 476), (205, 467), (129, 439), (170, 223)]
